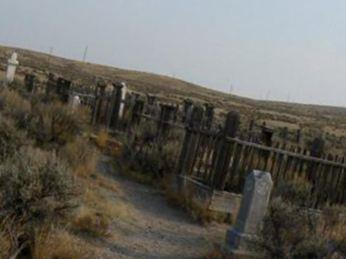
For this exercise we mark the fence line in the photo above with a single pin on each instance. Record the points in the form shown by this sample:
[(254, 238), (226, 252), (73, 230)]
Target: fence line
[(216, 158)]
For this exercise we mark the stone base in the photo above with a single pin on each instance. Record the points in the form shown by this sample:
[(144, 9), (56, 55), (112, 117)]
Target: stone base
[(239, 254), (240, 245), (213, 200)]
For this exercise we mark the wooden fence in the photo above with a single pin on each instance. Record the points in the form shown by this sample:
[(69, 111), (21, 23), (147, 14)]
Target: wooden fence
[(222, 162), (215, 157)]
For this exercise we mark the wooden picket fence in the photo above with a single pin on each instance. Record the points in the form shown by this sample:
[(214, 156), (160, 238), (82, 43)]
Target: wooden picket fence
[(222, 162), (215, 158)]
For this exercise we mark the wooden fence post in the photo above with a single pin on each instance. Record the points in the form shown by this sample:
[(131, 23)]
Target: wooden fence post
[(166, 116), (29, 82), (209, 116), (224, 151), (99, 95), (137, 112), (116, 100), (189, 148)]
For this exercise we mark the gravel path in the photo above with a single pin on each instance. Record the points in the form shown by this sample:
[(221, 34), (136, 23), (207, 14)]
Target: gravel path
[(155, 229)]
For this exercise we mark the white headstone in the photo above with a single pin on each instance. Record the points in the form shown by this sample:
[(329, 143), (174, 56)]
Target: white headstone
[(11, 68), (241, 239), (123, 96), (75, 102)]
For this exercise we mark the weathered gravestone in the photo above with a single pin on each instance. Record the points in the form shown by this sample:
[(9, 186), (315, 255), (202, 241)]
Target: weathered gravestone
[(75, 102), (122, 100), (29, 81), (241, 240), (12, 65)]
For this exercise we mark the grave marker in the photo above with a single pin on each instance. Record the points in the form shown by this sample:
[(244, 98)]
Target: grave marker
[(12, 65), (241, 240)]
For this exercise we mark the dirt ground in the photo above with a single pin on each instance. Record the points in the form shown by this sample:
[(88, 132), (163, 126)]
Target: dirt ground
[(152, 228)]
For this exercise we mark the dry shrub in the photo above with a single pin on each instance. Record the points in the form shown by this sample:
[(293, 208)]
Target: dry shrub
[(292, 232), (35, 185), (55, 124), (15, 106), (297, 191), (60, 244), (93, 223), (11, 139), (81, 156)]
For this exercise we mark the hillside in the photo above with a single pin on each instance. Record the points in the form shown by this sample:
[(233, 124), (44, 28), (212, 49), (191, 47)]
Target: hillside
[(277, 114)]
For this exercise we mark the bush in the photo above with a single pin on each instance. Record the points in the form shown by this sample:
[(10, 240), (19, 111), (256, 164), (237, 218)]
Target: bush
[(81, 156), (154, 154), (297, 192), (14, 106), (35, 185), (292, 232), (55, 124), (11, 139)]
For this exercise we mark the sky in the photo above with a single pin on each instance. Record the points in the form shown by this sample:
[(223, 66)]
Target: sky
[(265, 49)]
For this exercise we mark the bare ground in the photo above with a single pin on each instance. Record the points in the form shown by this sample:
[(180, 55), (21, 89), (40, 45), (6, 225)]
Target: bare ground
[(151, 227)]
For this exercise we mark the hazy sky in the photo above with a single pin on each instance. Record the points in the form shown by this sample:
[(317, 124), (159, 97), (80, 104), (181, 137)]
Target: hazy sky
[(285, 50)]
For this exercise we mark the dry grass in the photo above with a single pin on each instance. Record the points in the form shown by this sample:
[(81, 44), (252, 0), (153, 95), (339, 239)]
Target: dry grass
[(196, 210), (102, 139), (93, 223), (114, 209), (60, 244), (13, 103), (81, 156)]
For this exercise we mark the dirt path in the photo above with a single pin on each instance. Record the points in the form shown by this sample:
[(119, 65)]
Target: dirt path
[(154, 229)]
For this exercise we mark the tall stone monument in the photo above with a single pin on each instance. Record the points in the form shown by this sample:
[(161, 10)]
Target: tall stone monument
[(123, 96), (241, 240), (12, 65)]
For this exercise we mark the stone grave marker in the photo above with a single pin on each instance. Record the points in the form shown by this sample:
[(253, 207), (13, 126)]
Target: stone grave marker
[(241, 240), (12, 65)]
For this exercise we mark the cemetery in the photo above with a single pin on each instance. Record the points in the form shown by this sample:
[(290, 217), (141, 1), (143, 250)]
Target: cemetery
[(223, 164)]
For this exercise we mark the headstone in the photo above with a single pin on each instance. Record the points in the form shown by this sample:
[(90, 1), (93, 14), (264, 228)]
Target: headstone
[(241, 240), (123, 96), (12, 65), (75, 102)]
